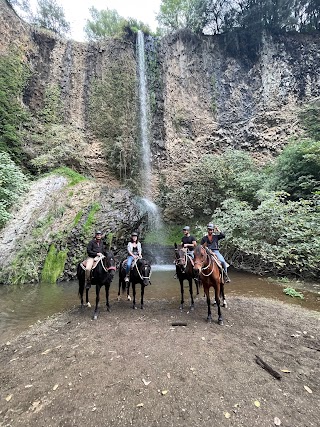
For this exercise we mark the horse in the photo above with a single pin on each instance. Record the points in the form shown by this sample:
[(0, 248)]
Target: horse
[(206, 267), (140, 273), (184, 271), (101, 275)]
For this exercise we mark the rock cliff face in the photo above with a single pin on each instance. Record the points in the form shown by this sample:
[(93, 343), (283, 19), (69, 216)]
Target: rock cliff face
[(213, 101), (204, 99)]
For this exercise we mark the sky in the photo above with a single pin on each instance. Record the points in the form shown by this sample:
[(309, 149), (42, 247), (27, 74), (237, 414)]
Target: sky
[(77, 12)]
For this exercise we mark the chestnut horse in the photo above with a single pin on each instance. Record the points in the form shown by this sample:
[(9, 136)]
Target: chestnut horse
[(207, 269), (184, 271)]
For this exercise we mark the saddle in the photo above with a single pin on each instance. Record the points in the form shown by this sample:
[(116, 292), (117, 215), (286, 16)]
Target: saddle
[(96, 261), (124, 264)]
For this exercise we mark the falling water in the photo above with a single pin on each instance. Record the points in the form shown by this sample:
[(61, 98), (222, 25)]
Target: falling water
[(144, 115), (147, 205)]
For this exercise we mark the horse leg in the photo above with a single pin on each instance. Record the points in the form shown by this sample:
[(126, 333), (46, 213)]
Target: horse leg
[(224, 302), (217, 297), (119, 297), (191, 295), (207, 293), (87, 299), (196, 281), (107, 286), (95, 314), (142, 294), (182, 293), (128, 290), (134, 295)]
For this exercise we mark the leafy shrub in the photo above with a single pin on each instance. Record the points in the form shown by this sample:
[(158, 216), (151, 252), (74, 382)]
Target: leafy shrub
[(297, 169), (280, 236), (207, 183)]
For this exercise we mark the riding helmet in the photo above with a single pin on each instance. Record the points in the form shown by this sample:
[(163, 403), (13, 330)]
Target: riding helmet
[(98, 232), (210, 225), (134, 234), (187, 228)]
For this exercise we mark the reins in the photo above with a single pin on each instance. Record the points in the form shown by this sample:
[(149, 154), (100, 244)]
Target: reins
[(142, 277), (113, 267), (205, 268)]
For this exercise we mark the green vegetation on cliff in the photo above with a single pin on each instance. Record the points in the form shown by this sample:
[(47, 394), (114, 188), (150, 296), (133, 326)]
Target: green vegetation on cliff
[(53, 265), (13, 77), (112, 113)]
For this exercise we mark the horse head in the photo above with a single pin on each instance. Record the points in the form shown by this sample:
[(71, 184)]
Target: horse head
[(144, 271), (109, 263), (180, 257), (200, 259)]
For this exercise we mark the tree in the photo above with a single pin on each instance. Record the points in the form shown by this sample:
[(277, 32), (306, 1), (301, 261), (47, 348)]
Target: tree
[(104, 23), (51, 16), (178, 14), (108, 23)]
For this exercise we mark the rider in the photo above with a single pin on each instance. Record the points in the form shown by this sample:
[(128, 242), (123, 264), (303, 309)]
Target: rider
[(188, 241), (211, 241), (94, 249), (134, 251)]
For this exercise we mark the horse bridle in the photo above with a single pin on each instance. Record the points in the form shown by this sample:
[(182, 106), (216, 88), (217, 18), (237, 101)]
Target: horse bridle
[(184, 259), (205, 268), (106, 269), (143, 277)]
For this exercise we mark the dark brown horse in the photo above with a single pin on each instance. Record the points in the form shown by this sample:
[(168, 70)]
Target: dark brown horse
[(184, 271), (101, 275), (140, 273), (207, 268)]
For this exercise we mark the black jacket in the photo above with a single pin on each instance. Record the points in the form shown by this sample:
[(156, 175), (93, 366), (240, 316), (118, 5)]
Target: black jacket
[(94, 247)]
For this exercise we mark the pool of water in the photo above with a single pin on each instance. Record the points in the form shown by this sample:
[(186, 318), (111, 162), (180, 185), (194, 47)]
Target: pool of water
[(22, 306)]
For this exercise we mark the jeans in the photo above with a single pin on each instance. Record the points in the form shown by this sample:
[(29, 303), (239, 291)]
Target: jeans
[(129, 262), (221, 259)]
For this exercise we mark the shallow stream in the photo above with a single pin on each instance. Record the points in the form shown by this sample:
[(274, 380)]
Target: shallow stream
[(22, 306)]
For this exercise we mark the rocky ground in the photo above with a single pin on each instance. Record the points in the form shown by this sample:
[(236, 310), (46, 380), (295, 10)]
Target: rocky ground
[(132, 367)]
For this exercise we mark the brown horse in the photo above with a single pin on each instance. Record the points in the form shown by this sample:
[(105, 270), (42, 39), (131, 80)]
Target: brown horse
[(207, 269)]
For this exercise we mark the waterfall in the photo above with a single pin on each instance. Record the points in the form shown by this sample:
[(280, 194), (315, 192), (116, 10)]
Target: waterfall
[(144, 117), (146, 203)]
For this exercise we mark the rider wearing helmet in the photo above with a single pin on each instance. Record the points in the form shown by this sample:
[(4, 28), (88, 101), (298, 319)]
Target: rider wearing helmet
[(94, 249), (188, 242), (134, 251), (211, 241)]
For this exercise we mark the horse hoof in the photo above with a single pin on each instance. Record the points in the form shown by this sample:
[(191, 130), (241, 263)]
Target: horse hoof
[(209, 319), (134, 307), (220, 322), (181, 307), (192, 308), (88, 305), (128, 298), (119, 298), (108, 309), (142, 307), (95, 317), (225, 305)]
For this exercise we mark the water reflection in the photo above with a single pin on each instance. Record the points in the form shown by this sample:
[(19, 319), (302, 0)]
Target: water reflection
[(21, 306)]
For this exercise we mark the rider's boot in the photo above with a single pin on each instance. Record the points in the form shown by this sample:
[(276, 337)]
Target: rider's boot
[(226, 277)]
